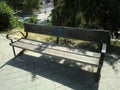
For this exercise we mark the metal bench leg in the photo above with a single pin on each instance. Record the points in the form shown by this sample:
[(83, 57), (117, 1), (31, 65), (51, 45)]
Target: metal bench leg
[(20, 53), (13, 48), (14, 51), (97, 77)]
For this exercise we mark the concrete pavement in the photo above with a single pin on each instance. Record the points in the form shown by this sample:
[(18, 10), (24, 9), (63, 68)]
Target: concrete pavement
[(33, 71)]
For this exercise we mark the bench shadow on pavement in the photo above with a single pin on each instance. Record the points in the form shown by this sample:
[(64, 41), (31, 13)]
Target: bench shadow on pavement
[(68, 74)]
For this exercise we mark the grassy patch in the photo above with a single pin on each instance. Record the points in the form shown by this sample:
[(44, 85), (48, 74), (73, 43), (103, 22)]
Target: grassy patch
[(5, 32), (115, 47), (115, 43)]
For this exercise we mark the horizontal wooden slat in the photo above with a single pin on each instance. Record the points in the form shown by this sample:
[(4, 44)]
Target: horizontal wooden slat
[(61, 48), (100, 36), (58, 51)]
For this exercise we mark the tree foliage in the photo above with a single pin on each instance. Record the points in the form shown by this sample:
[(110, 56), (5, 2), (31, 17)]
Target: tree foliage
[(67, 13), (88, 13), (24, 4), (7, 19)]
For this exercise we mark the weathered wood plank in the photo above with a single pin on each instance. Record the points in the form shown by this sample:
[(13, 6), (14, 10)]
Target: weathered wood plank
[(61, 48), (59, 52), (100, 36)]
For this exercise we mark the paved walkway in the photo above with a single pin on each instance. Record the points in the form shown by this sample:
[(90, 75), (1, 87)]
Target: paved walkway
[(32, 71)]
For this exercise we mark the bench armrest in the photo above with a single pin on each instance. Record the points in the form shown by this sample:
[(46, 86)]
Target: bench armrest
[(103, 48), (8, 35)]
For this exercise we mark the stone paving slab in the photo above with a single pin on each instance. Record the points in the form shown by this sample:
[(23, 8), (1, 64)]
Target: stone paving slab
[(32, 71)]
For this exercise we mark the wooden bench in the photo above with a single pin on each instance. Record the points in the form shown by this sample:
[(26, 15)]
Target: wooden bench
[(54, 49)]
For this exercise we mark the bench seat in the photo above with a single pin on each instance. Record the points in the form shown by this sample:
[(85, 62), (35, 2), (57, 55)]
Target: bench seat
[(79, 55)]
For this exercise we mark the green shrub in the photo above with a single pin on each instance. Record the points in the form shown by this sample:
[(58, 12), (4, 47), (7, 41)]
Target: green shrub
[(7, 19), (21, 24), (48, 23), (32, 19), (24, 5)]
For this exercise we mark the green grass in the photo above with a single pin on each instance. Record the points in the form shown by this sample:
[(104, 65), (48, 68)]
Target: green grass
[(115, 43), (5, 32)]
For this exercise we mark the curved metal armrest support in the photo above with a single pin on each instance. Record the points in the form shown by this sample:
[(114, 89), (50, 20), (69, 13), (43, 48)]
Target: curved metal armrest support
[(104, 48), (8, 35)]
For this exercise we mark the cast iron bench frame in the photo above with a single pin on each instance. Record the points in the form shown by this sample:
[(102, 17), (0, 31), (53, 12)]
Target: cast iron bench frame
[(95, 35)]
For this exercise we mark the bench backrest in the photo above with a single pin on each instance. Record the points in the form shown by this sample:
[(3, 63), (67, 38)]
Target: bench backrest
[(96, 35)]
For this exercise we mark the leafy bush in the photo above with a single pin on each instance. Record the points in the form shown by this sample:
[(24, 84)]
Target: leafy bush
[(32, 19), (24, 5), (48, 23), (21, 24), (7, 19)]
